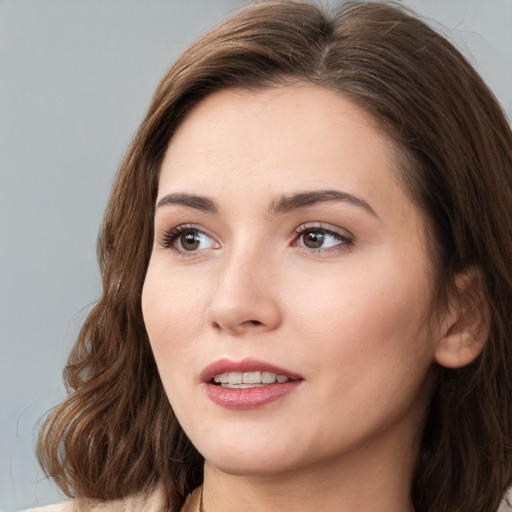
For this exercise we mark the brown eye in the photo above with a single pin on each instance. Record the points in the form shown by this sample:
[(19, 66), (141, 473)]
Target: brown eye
[(313, 239), (319, 239), (186, 239), (189, 241)]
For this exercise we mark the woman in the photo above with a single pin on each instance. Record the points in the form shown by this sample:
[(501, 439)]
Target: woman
[(307, 287)]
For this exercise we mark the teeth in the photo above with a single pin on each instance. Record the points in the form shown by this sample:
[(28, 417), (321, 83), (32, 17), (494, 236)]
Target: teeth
[(222, 378), (268, 378), (248, 379), (251, 378), (235, 378)]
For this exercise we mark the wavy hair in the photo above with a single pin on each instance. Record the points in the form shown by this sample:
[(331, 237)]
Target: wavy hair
[(116, 433)]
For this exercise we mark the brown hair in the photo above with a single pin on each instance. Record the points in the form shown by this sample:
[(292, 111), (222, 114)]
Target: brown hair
[(116, 433)]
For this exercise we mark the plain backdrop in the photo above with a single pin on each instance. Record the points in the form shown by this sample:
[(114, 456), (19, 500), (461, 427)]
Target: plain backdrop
[(75, 79)]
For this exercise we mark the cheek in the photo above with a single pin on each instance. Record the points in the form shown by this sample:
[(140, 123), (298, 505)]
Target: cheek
[(367, 346), (172, 312), (367, 314)]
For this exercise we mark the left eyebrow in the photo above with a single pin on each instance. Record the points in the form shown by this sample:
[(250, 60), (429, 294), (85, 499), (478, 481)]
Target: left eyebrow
[(290, 202)]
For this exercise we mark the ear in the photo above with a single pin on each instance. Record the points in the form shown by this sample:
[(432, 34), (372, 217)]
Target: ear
[(465, 325)]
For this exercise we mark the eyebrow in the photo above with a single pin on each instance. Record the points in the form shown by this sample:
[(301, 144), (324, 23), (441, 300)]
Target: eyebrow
[(190, 200), (287, 203)]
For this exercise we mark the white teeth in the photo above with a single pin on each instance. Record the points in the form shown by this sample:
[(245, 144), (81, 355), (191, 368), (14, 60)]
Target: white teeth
[(268, 377), (251, 378), (248, 379), (235, 378)]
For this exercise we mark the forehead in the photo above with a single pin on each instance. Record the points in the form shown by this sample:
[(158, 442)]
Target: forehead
[(281, 139), (278, 117)]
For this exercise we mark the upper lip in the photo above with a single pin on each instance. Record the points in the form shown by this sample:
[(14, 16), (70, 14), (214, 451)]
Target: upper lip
[(245, 365)]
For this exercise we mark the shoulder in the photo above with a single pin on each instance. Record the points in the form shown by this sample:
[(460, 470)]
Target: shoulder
[(149, 501)]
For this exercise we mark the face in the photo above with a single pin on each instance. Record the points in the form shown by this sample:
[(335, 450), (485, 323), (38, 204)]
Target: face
[(287, 293)]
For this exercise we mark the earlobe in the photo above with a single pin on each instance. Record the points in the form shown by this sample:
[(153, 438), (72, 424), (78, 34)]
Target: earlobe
[(466, 323)]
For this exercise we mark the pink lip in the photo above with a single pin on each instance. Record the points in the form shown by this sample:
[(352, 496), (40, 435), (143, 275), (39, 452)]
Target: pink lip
[(247, 398)]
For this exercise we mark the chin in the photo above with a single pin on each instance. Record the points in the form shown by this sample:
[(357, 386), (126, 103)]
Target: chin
[(259, 468), (258, 459)]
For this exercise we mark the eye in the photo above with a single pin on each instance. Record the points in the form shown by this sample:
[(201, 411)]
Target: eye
[(187, 239), (317, 238)]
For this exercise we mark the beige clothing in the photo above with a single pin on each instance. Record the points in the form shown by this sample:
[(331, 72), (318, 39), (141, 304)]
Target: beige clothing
[(144, 502)]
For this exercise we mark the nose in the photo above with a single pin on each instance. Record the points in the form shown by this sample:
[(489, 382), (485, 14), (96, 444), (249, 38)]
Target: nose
[(244, 298)]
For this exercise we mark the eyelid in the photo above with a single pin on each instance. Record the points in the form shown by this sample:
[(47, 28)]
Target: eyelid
[(344, 236), (169, 237)]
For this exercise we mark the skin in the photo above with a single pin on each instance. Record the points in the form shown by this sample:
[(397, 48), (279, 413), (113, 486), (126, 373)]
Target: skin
[(349, 317)]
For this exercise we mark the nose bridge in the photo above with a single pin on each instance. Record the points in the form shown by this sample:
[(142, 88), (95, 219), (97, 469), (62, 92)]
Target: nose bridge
[(245, 296)]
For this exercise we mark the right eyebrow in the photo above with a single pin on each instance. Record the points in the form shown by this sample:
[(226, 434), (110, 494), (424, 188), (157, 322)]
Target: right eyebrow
[(190, 200)]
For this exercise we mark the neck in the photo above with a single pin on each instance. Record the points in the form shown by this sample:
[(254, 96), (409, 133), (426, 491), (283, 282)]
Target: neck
[(362, 481)]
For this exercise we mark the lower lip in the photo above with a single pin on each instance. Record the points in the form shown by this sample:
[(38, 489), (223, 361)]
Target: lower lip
[(249, 398)]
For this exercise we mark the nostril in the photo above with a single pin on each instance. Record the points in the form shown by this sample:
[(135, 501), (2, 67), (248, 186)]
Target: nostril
[(255, 322)]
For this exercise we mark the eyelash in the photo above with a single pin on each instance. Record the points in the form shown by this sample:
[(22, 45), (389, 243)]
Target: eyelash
[(345, 239), (169, 238)]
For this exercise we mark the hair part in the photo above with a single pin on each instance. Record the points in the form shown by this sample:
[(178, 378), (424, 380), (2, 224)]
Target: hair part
[(453, 149)]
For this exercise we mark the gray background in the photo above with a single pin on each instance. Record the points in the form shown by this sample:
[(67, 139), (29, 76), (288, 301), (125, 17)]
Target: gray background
[(75, 79)]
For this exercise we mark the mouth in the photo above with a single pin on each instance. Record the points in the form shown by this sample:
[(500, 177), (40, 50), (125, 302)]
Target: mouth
[(244, 380), (247, 384)]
